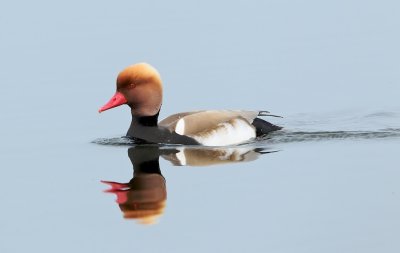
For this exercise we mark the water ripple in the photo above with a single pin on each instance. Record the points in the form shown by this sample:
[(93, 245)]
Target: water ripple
[(304, 136), (114, 141)]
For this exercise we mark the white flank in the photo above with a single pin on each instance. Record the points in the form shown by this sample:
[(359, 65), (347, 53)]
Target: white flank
[(180, 127), (181, 156), (232, 132)]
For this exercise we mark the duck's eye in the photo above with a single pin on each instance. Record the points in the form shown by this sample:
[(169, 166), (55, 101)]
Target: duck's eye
[(132, 85)]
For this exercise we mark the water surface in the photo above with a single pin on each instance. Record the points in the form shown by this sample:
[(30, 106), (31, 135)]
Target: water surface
[(327, 183)]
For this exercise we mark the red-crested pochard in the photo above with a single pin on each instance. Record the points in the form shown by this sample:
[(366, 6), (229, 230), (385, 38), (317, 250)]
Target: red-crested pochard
[(140, 87)]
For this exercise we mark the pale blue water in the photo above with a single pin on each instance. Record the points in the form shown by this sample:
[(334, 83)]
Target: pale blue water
[(327, 183)]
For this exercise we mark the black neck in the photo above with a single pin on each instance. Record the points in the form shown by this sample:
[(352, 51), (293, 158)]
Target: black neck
[(143, 128), (149, 121)]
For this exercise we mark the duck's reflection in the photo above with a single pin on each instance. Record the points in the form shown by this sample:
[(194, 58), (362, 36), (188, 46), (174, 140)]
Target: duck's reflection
[(144, 197), (212, 156)]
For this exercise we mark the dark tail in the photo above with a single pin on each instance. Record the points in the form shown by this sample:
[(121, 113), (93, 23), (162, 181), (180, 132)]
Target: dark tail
[(264, 127)]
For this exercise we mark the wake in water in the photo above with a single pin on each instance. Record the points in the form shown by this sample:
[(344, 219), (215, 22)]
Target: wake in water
[(336, 126), (315, 127), (301, 136)]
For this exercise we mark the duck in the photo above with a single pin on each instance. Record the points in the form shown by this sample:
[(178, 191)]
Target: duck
[(140, 87)]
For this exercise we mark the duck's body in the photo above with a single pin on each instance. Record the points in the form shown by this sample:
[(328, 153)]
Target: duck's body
[(140, 87), (209, 128)]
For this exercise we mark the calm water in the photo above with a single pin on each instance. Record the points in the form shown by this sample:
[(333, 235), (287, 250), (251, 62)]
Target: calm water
[(296, 191), (328, 182)]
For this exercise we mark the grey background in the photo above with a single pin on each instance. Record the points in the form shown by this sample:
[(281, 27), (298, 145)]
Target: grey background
[(59, 61)]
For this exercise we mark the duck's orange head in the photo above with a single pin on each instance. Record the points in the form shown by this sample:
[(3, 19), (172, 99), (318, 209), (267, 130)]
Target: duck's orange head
[(140, 87)]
